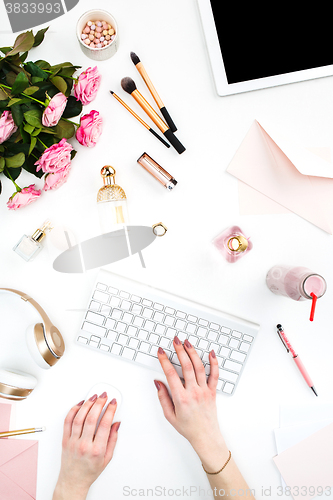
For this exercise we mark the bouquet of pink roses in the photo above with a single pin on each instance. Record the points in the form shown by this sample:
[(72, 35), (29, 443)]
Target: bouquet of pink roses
[(36, 103)]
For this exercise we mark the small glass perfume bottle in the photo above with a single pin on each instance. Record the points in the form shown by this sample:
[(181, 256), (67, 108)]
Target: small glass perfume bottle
[(112, 202), (29, 246), (232, 243), (298, 283)]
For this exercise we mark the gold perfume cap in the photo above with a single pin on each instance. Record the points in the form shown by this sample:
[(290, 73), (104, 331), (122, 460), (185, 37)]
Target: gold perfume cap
[(40, 234), (110, 191), (237, 243)]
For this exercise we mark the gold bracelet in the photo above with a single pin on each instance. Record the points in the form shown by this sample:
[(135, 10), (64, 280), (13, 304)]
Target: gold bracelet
[(214, 473)]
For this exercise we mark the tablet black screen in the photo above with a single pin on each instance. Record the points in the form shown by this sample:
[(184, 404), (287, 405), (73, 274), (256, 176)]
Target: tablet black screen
[(258, 42)]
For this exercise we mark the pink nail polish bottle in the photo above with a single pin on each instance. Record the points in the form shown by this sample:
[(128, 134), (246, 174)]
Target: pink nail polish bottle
[(232, 243), (298, 283)]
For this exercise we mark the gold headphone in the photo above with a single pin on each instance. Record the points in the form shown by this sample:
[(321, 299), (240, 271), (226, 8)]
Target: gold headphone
[(46, 346)]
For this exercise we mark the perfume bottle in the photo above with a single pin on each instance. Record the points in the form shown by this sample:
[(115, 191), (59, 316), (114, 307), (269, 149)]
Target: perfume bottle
[(298, 283), (29, 246), (111, 201), (232, 243)]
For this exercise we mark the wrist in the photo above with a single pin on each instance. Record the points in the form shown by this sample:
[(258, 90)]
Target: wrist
[(68, 491), (213, 452)]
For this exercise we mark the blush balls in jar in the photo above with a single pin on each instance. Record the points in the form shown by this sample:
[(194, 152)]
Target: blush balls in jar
[(97, 33)]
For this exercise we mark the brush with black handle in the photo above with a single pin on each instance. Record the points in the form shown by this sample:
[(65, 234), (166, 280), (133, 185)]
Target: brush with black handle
[(129, 86), (141, 69)]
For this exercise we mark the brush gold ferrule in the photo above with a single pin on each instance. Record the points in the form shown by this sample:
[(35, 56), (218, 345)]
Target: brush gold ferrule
[(149, 110), (141, 69)]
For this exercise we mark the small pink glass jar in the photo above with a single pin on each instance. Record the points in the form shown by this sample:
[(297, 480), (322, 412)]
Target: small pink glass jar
[(232, 243), (298, 283)]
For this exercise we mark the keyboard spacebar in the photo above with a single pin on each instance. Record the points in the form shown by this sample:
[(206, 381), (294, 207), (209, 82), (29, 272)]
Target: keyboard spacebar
[(154, 363)]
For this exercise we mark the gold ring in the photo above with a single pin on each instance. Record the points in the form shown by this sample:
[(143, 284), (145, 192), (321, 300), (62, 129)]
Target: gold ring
[(159, 224), (242, 244)]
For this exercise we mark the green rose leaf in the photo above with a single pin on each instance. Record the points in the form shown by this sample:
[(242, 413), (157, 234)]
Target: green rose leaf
[(2, 164), (35, 70), (73, 107), (23, 43), (20, 84), (39, 37), (15, 161), (59, 83), (32, 144), (3, 95), (42, 64), (31, 90), (29, 128), (17, 114), (65, 129), (34, 117), (36, 132)]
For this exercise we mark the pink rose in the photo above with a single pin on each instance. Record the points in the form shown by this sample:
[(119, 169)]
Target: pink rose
[(87, 85), (54, 110), (53, 181), (90, 129), (7, 126), (24, 197), (55, 158)]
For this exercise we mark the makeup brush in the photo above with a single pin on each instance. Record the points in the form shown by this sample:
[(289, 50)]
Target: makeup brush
[(139, 119), (141, 69), (22, 431), (129, 86)]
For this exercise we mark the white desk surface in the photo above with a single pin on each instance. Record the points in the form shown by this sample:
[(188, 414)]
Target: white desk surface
[(168, 38)]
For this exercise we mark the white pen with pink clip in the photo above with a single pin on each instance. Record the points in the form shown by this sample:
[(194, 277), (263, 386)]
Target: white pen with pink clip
[(297, 359)]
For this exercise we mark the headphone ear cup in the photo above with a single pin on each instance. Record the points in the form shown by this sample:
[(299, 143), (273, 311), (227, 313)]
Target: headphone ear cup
[(16, 385), (33, 349)]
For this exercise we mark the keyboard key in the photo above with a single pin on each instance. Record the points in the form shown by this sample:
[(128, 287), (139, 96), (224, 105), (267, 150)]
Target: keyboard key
[(212, 335), (147, 302), (232, 365), (238, 335), (147, 360), (113, 290), (205, 357), (124, 295), (116, 314), (169, 310), (134, 343), (219, 360), (226, 375), (223, 339), (160, 329), (143, 335), (215, 347), (115, 301), (182, 336), (199, 353), (164, 342), (95, 318), (248, 338), (194, 319), (193, 340), (95, 329), (175, 359), (94, 306), (94, 338), (83, 340), (219, 385), (149, 325), (153, 350), (171, 333), (244, 347), (203, 344), (180, 324), (158, 317), (225, 351), (136, 309), (122, 339), (132, 330), (116, 348), (234, 343), (93, 343), (180, 314), (190, 328), (126, 305), (226, 330), (112, 335), (144, 346), (228, 388), (203, 322), (110, 323), (121, 327), (105, 310), (101, 286), (104, 347), (214, 326), (101, 296), (138, 321), (168, 353), (136, 298), (159, 307), (153, 338), (169, 320), (202, 332), (238, 356), (147, 313), (127, 317), (128, 353), (207, 369)]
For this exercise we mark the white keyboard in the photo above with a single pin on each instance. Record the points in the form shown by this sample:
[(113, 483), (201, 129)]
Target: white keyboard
[(131, 320)]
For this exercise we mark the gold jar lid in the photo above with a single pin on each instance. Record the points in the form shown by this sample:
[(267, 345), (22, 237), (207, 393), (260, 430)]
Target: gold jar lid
[(241, 243), (110, 191)]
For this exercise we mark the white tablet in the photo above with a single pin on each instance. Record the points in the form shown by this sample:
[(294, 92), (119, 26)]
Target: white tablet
[(253, 46)]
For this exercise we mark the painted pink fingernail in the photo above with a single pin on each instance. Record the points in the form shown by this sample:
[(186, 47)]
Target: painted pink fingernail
[(213, 353), (157, 384), (103, 395), (188, 344), (117, 425), (93, 398), (160, 350), (113, 402), (80, 403), (177, 341)]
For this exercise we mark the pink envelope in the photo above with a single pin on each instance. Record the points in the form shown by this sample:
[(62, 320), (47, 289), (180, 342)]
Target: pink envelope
[(18, 469), (291, 176)]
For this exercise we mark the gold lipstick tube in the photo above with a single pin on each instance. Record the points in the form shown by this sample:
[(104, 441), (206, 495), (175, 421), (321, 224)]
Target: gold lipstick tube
[(157, 171)]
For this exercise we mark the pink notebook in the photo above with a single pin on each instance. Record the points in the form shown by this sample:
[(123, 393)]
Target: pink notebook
[(308, 465)]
